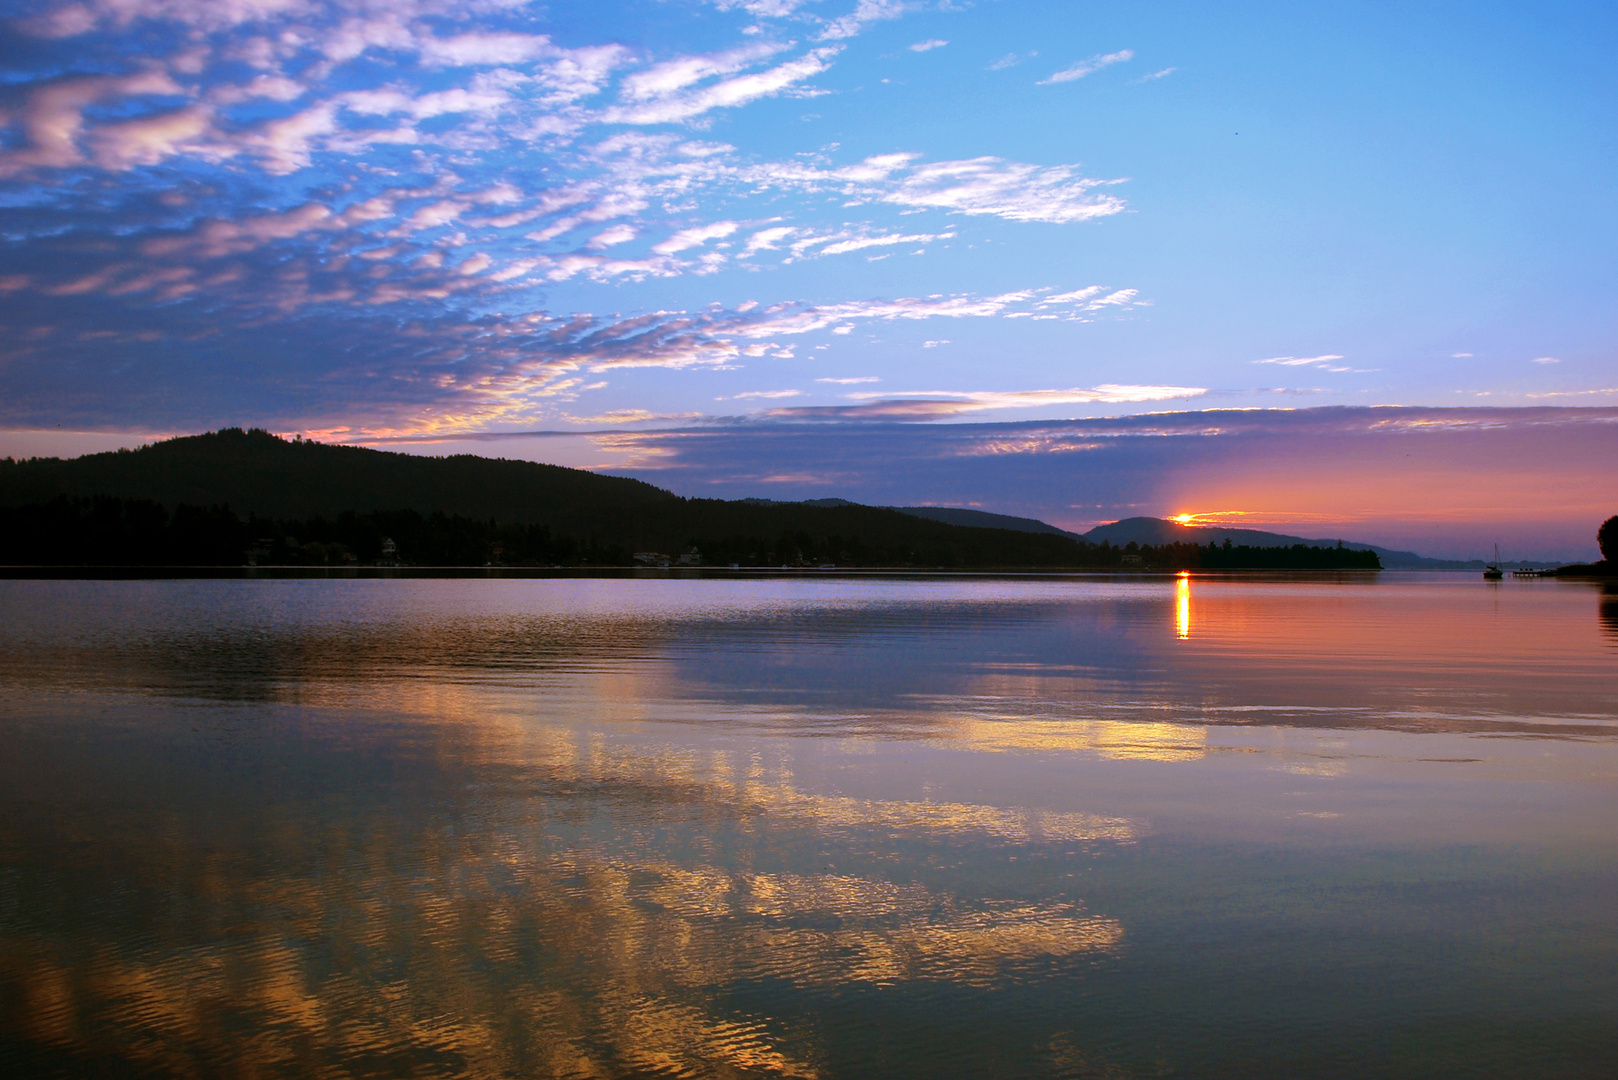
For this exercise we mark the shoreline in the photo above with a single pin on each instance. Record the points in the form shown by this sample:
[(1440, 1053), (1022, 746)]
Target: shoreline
[(689, 573)]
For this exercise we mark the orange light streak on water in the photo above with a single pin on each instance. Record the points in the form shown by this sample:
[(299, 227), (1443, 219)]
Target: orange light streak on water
[(1182, 607)]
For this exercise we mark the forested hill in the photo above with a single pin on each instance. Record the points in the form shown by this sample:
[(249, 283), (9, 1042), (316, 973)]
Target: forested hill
[(255, 472), (232, 497)]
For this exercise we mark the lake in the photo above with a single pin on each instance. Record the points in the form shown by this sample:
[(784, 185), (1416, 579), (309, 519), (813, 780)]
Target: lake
[(1102, 827)]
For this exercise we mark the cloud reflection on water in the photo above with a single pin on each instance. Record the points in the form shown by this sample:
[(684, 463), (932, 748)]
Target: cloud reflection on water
[(540, 924), (615, 828)]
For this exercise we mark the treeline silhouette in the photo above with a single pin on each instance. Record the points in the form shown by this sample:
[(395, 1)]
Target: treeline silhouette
[(234, 497), (107, 531), (1296, 557)]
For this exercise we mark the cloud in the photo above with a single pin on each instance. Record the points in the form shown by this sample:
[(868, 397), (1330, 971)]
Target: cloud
[(618, 234), (371, 194), (767, 239), (73, 19), (1165, 73), (864, 13), (309, 345), (52, 117), (695, 237), (935, 404), (150, 139), (448, 214), (1108, 393), (631, 416), (291, 142), (851, 381), (1004, 189), (842, 247), (1039, 442), (1075, 297), (789, 319), (217, 239), (483, 49), (928, 45), (1092, 298), (729, 94), (662, 80), (287, 145), (763, 9), (1324, 363), (1012, 60), (260, 87), (1016, 191), (767, 394), (1089, 67), (1299, 361), (1545, 360), (54, 124)]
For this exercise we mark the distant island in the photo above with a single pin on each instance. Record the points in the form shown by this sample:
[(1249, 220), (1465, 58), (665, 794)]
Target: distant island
[(1147, 530), (235, 497)]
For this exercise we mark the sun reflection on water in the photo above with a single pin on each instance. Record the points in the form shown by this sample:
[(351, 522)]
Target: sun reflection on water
[(1182, 607)]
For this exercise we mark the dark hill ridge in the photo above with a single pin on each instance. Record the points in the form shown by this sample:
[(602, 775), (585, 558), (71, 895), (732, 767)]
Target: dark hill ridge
[(254, 472), (341, 502), (949, 515), (983, 519), (232, 496)]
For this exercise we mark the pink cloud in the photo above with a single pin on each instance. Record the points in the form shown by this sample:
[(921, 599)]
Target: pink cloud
[(151, 139), (52, 116)]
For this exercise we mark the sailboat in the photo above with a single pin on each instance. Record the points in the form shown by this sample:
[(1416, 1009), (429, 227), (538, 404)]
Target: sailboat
[(1492, 572)]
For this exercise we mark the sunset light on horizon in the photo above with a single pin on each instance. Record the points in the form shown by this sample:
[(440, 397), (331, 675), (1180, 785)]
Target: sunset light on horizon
[(421, 226)]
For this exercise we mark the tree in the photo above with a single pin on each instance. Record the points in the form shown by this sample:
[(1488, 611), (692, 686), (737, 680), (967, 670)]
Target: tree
[(1607, 537)]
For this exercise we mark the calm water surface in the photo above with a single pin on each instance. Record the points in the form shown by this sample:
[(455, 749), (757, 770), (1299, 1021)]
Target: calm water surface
[(1205, 827)]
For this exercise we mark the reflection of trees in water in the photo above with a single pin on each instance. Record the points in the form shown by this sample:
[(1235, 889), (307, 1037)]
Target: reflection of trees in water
[(911, 669), (248, 662), (1609, 610), (467, 908)]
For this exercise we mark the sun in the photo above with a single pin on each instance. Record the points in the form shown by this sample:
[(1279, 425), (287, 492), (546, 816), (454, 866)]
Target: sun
[(1183, 519)]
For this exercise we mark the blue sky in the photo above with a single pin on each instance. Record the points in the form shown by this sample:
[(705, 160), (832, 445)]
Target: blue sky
[(418, 217)]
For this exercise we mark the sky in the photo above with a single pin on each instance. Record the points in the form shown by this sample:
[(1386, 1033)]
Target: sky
[(796, 227)]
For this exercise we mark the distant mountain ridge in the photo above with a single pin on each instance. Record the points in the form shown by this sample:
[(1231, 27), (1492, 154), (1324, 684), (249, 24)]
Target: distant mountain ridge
[(1154, 531), (949, 515), (1150, 530)]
